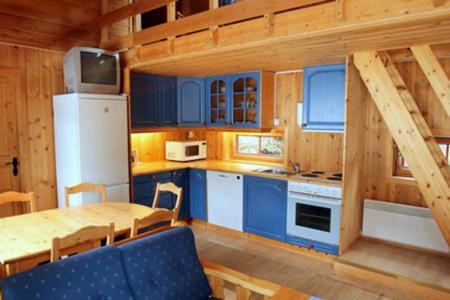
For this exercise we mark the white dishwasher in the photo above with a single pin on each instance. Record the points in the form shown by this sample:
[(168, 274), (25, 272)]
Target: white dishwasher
[(225, 199)]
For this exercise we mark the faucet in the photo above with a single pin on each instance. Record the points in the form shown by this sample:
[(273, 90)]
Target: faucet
[(295, 166)]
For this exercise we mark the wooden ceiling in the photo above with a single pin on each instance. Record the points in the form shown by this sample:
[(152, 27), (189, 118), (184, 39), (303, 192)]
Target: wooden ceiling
[(50, 24), (294, 39)]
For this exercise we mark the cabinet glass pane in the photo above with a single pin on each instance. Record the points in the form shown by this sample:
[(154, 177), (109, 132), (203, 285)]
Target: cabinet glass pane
[(238, 100), (250, 116), (238, 116), (251, 85), (239, 85), (214, 87), (222, 87), (213, 101), (213, 116), (222, 116), (251, 100)]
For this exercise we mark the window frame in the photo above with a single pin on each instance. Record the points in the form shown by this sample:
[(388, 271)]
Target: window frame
[(258, 157), (398, 166)]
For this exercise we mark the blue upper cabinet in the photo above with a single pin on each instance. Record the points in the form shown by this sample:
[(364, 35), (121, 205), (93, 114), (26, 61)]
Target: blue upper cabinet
[(324, 98), (191, 101), (153, 100), (167, 101), (144, 100), (218, 92), (265, 207), (245, 100)]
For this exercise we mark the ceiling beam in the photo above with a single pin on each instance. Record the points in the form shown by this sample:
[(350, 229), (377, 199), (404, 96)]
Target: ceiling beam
[(435, 74), (410, 131)]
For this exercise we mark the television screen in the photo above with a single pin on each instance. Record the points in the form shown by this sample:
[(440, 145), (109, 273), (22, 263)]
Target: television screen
[(98, 68)]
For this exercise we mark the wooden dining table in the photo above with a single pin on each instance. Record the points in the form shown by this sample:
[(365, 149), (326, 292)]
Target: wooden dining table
[(25, 240)]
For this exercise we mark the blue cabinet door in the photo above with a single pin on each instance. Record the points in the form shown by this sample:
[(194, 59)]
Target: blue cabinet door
[(191, 101), (265, 207), (218, 91), (197, 194), (245, 99), (324, 98), (144, 100), (167, 112), (181, 179)]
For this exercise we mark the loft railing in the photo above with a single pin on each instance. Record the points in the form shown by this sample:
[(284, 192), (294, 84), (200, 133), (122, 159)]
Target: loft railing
[(208, 20)]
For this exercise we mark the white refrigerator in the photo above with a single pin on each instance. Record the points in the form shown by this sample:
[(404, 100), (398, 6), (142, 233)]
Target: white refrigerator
[(91, 144)]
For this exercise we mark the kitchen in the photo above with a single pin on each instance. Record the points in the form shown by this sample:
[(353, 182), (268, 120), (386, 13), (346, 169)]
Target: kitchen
[(248, 170)]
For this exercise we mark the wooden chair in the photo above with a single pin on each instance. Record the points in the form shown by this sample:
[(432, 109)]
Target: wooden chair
[(15, 197), (85, 187), (83, 239), (160, 214)]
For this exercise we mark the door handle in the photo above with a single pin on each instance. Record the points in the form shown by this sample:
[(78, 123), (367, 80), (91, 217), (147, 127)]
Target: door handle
[(15, 165)]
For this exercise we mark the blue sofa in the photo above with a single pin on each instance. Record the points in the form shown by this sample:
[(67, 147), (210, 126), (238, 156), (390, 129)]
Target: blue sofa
[(161, 266), (158, 267)]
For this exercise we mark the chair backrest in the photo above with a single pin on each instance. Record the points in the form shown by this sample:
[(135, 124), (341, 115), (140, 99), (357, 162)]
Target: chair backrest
[(160, 215), (85, 187), (15, 197), (89, 237), (172, 188)]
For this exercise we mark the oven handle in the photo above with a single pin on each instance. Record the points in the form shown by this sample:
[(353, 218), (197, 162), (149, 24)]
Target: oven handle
[(317, 199)]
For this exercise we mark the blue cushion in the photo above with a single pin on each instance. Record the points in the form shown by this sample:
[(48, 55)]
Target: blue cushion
[(165, 266), (96, 274)]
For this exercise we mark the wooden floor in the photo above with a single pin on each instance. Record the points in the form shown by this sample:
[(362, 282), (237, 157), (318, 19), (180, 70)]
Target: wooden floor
[(419, 266), (289, 268)]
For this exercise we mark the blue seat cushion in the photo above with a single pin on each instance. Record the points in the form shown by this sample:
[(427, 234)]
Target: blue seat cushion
[(165, 266), (97, 274)]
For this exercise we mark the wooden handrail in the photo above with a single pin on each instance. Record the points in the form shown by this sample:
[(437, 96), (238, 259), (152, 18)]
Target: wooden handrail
[(239, 11)]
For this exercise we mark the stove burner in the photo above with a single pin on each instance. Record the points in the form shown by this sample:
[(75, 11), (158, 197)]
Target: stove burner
[(310, 175), (334, 178), (318, 172), (337, 175)]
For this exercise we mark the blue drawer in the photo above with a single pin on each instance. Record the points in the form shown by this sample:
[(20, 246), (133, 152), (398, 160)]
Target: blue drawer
[(310, 244), (152, 177)]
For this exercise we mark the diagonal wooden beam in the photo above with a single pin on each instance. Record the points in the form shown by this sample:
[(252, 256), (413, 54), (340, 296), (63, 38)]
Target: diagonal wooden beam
[(410, 131), (435, 74)]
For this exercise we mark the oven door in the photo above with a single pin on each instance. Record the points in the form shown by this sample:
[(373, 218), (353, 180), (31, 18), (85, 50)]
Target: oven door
[(313, 217)]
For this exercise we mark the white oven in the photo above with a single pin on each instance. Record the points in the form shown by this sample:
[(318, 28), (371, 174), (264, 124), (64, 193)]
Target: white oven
[(314, 212), (185, 150)]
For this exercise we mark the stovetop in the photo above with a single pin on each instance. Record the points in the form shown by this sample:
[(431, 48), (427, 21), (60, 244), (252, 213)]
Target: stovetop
[(322, 176)]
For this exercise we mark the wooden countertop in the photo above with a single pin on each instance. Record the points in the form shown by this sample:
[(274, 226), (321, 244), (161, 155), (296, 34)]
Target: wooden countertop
[(221, 166)]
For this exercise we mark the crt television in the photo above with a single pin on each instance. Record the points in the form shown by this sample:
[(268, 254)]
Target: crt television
[(92, 70)]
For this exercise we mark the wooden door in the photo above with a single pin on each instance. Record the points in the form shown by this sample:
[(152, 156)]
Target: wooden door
[(9, 148)]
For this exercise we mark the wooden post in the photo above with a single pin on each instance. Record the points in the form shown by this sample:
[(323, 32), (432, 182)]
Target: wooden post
[(410, 131), (171, 11), (435, 74), (213, 4), (340, 9), (104, 34)]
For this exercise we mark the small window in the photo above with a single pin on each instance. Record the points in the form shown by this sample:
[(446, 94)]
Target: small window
[(262, 146), (401, 167)]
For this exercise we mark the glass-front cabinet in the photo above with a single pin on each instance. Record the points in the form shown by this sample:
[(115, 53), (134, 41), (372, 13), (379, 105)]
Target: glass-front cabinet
[(235, 100), (218, 90), (245, 100)]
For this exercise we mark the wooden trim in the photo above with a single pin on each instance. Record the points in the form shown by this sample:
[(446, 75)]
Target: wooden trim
[(224, 15), (390, 280), (410, 132), (435, 74), (437, 3), (131, 10), (104, 33)]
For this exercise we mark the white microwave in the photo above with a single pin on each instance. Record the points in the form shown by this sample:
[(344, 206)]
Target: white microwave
[(185, 150)]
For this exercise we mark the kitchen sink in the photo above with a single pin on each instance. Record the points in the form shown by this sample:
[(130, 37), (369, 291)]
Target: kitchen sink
[(275, 171)]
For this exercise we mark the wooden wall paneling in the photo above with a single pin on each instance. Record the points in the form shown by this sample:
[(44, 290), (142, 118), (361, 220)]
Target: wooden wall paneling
[(41, 78), (410, 131), (354, 157), (435, 74), (379, 182)]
